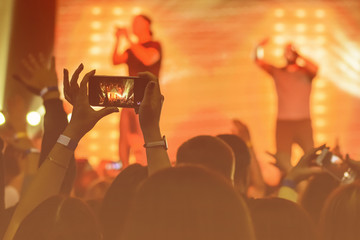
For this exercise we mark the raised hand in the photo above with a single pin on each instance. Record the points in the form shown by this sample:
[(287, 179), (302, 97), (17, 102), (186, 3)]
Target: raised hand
[(150, 108), (83, 117), (36, 74), (241, 130)]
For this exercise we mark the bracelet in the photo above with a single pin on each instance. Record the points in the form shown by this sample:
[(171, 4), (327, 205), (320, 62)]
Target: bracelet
[(57, 163), (32, 150), (48, 89), (67, 142), (289, 183), (162, 143)]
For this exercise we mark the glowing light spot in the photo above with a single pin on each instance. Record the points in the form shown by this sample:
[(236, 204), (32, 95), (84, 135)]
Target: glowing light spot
[(94, 134), (301, 27), (279, 27), (320, 123), (300, 40), (95, 37), (278, 52), (279, 12), (114, 135), (113, 147), (113, 119), (260, 53), (95, 25), (95, 65), (69, 117), (93, 147), (320, 138), (96, 10), (280, 40), (320, 13), (94, 161), (319, 28), (95, 50), (136, 10), (319, 84), (320, 96), (118, 11), (300, 13), (33, 118), (319, 109), (2, 119)]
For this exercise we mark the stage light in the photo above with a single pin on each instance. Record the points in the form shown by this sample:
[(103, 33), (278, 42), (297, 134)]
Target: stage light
[(114, 147), (96, 10), (2, 119), (319, 96), (300, 13), (93, 160), (320, 123), (319, 109), (95, 50), (279, 27), (279, 12), (319, 28), (300, 40), (94, 134), (93, 147), (320, 138), (69, 117), (280, 40), (95, 38), (136, 11), (33, 118), (96, 25), (320, 13), (117, 11), (278, 52), (320, 40), (300, 27), (114, 135)]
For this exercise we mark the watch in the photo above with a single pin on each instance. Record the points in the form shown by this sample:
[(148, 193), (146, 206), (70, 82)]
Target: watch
[(162, 143), (67, 142)]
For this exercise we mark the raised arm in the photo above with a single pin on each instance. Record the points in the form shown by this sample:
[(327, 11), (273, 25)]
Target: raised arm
[(148, 56), (50, 176), (118, 57), (310, 66), (149, 117), (259, 57)]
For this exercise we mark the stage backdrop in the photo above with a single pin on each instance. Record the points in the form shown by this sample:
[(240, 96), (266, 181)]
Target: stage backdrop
[(208, 76)]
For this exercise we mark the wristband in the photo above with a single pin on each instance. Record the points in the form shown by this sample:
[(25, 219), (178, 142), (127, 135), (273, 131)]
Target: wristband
[(162, 143), (48, 89), (32, 150), (67, 142), (289, 183)]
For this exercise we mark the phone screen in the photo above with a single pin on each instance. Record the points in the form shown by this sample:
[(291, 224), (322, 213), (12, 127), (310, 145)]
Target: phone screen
[(114, 91), (337, 168)]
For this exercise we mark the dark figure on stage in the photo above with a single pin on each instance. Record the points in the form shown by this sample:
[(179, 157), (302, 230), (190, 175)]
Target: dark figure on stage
[(142, 55), (293, 86)]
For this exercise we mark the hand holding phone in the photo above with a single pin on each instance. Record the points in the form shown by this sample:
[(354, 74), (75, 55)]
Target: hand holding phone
[(116, 91)]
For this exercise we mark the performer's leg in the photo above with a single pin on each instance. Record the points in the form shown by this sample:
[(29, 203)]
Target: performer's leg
[(284, 140), (304, 135)]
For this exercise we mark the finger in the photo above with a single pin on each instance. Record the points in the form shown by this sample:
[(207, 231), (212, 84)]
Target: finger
[(67, 86), (85, 80), (75, 76), (149, 76), (149, 92), (52, 63), (315, 170), (34, 62), (106, 111), (28, 66), (42, 59)]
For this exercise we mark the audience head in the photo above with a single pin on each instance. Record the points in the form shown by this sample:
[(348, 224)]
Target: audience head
[(242, 160), (317, 191), (59, 218), (117, 200), (340, 218), (188, 202), (210, 152), (280, 219)]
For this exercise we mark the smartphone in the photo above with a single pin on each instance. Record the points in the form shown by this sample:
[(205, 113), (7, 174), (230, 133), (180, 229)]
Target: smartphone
[(335, 166), (116, 91)]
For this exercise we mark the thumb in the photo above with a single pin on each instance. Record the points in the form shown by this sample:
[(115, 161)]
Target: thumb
[(106, 111), (149, 91)]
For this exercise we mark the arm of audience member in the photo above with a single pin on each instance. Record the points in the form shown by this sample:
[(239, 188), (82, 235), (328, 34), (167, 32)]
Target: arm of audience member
[(124, 146), (257, 184), (119, 58), (40, 78), (309, 65), (259, 57), (149, 117), (302, 171), (2, 179), (50, 175)]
